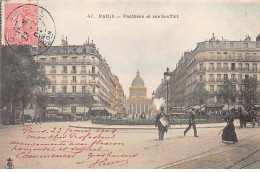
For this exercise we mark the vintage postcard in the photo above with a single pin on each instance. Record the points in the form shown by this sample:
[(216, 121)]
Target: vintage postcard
[(130, 84)]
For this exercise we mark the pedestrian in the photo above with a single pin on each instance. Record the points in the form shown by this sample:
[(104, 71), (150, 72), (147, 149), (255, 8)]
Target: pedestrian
[(162, 121), (192, 123), (241, 117), (246, 118), (229, 133)]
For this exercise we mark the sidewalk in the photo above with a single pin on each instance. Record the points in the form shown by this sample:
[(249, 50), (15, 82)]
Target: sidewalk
[(89, 125), (13, 126)]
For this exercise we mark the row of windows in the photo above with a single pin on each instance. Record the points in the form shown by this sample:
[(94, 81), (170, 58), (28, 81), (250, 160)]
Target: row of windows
[(213, 87), (232, 67), (225, 76), (73, 70), (71, 50), (66, 59), (74, 79), (221, 78), (239, 55), (234, 44), (74, 89)]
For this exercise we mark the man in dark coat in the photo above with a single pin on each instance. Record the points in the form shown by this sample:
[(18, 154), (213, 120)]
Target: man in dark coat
[(241, 117), (192, 123), (161, 122)]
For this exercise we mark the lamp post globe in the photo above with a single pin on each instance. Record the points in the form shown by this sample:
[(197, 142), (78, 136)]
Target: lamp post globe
[(167, 76)]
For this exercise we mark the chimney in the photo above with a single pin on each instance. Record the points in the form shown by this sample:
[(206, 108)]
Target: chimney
[(258, 38), (64, 42)]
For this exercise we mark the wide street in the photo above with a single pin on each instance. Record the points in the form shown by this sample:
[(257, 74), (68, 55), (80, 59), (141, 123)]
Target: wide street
[(140, 144)]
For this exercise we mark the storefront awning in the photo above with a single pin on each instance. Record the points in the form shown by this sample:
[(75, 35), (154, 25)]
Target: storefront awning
[(97, 108), (65, 109), (111, 112), (81, 109), (96, 98)]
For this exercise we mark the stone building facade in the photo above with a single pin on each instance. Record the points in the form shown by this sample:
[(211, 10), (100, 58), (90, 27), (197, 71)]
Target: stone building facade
[(211, 62), (75, 69)]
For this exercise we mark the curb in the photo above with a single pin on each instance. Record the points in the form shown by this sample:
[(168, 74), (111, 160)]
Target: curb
[(12, 126), (155, 128)]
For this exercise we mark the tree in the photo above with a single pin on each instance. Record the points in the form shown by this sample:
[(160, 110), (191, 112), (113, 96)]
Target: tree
[(87, 100), (228, 93), (41, 99), (20, 75), (249, 91), (200, 95), (62, 101)]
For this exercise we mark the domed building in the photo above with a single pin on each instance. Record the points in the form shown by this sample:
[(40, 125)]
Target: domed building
[(138, 104)]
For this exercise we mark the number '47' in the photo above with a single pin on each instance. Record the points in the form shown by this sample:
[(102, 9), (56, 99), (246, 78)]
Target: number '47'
[(90, 16)]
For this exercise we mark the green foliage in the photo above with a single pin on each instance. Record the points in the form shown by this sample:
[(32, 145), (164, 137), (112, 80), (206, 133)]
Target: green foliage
[(20, 75), (200, 94), (249, 91), (41, 99), (143, 121), (228, 93), (87, 100), (62, 101)]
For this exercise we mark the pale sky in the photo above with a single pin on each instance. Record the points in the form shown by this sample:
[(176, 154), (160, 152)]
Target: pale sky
[(150, 45)]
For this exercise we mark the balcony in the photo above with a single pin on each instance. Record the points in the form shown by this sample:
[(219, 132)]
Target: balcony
[(219, 80), (212, 92), (78, 61), (73, 71), (233, 68), (218, 68), (211, 68), (254, 69), (202, 80), (73, 82), (246, 69), (239, 69), (233, 79), (225, 68), (53, 72), (83, 71), (93, 82), (211, 80), (64, 71), (83, 82), (94, 73), (202, 69), (53, 82), (64, 81)]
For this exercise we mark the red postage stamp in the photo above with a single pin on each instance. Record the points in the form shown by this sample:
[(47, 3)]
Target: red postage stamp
[(21, 23)]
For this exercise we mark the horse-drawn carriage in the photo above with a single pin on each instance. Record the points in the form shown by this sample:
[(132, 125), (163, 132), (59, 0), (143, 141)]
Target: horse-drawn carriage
[(248, 116)]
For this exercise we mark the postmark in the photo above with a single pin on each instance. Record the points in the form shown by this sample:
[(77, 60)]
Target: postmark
[(28, 25)]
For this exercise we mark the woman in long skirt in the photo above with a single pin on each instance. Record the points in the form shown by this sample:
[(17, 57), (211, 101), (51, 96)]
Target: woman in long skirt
[(229, 133)]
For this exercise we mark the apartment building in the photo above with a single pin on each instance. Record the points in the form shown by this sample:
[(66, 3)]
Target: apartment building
[(75, 69), (214, 61), (211, 62)]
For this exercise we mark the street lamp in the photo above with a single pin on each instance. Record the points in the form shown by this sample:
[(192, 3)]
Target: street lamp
[(167, 76), (153, 95), (151, 110)]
